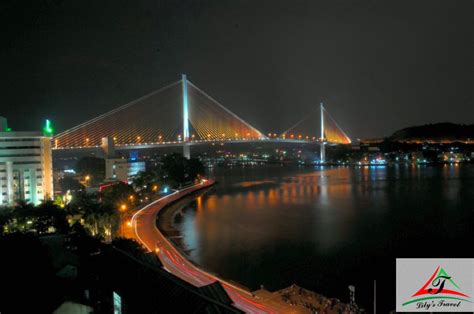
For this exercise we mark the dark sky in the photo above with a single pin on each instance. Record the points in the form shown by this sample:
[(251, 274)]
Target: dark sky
[(379, 65)]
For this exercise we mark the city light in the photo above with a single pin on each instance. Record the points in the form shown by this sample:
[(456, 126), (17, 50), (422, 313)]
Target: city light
[(228, 205), (48, 129)]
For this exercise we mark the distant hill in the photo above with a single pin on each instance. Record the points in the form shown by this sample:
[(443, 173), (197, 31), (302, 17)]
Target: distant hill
[(438, 132)]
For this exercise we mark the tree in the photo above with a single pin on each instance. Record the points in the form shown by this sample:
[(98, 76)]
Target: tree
[(46, 217), (92, 166), (81, 241), (146, 184), (195, 168), (177, 170), (117, 194), (50, 215), (5, 219), (145, 180), (69, 183), (102, 220), (81, 201)]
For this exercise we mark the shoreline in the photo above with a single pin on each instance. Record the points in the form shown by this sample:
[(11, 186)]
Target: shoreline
[(147, 233), (297, 298), (164, 223)]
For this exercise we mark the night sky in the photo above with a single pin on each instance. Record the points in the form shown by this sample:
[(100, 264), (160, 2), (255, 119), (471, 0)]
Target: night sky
[(379, 65)]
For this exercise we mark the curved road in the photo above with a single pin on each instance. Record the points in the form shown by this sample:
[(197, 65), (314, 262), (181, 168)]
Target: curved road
[(144, 224)]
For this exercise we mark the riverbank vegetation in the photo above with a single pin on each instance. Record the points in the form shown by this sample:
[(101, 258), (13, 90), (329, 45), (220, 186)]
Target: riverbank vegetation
[(102, 213)]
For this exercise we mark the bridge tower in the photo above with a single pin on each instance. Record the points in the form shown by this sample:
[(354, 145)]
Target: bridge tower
[(323, 141), (186, 146)]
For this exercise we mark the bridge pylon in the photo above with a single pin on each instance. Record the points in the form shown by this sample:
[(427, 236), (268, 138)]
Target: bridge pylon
[(186, 147), (322, 155)]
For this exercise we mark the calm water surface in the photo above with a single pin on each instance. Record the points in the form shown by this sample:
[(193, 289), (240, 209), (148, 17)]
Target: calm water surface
[(325, 229)]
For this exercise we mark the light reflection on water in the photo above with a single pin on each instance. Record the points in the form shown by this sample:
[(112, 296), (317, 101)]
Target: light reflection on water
[(327, 228)]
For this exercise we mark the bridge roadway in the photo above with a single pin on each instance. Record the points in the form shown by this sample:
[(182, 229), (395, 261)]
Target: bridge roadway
[(193, 143), (145, 229)]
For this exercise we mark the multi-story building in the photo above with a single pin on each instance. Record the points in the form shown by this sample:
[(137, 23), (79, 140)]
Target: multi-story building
[(122, 169), (25, 167)]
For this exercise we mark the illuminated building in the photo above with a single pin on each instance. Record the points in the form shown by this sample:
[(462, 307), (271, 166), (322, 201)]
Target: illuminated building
[(122, 169), (25, 166)]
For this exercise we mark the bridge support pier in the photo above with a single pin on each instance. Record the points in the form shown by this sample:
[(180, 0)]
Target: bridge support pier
[(323, 152), (187, 151)]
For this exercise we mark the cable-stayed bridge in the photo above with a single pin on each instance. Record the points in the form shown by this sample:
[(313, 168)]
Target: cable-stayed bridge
[(181, 114)]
